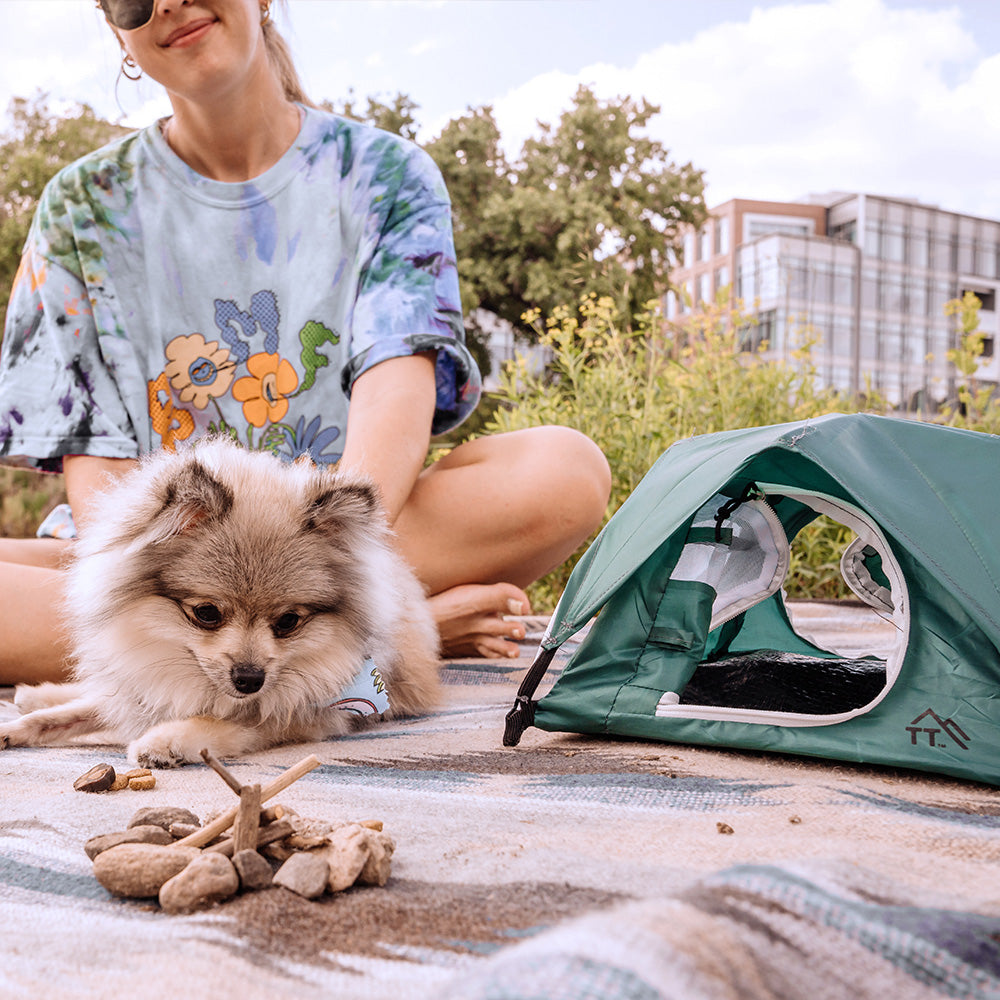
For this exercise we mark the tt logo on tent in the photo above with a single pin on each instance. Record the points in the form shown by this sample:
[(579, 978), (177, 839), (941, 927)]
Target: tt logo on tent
[(934, 726)]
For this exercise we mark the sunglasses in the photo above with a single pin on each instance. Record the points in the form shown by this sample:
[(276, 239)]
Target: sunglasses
[(128, 14)]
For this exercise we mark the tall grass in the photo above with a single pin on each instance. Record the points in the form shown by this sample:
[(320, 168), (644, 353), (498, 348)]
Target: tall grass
[(635, 387)]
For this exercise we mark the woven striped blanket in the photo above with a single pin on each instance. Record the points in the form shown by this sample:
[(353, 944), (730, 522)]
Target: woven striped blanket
[(570, 867)]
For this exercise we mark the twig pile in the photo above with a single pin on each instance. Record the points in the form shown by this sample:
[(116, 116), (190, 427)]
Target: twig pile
[(167, 853)]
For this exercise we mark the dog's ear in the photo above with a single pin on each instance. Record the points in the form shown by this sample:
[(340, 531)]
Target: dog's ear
[(189, 496), (337, 506)]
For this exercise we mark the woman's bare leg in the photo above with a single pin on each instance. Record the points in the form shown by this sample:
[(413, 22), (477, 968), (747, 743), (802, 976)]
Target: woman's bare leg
[(33, 646), (493, 516)]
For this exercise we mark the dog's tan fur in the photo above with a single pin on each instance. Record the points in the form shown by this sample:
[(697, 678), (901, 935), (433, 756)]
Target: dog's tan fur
[(219, 527)]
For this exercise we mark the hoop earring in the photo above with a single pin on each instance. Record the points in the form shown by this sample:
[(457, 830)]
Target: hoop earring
[(265, 13), (129, 63)]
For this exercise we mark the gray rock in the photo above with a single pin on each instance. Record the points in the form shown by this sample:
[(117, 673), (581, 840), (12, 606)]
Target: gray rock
[(133, 835), (163, 816), (378, 867), (253, 870), (208, 879), (304, 873), (346, 853), (138, 870)]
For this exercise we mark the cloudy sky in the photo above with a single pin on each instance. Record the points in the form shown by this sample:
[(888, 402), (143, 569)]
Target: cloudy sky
[(772, 100)]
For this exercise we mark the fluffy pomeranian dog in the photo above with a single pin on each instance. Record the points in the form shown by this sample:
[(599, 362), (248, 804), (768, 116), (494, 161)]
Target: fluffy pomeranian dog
[(227, 600)]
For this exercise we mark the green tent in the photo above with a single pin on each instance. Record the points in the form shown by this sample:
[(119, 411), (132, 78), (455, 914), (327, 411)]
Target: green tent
[(692, 642)]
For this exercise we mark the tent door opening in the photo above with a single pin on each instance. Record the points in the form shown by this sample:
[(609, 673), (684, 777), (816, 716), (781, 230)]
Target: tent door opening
[(744, 560)]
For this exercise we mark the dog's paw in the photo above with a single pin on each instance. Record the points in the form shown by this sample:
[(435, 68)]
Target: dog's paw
[(158, 749), (17, 733), (160, 757)]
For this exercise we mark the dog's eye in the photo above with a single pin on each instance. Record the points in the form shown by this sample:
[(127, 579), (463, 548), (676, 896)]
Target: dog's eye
[(207, 616), (287, 623)]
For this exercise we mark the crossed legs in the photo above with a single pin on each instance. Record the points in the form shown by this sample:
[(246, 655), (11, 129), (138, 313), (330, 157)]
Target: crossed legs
[(481, 524), (491, 517)]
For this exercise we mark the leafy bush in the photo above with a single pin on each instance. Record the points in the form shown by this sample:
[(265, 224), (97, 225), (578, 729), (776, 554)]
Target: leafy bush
[(636, 388)]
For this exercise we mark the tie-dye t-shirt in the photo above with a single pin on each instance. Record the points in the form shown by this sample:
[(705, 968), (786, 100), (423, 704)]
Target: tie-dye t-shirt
[(154, 305)]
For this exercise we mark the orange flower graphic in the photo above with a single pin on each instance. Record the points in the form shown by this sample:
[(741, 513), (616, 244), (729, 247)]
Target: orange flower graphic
[(198, 370), (263, 391), (171, 422)]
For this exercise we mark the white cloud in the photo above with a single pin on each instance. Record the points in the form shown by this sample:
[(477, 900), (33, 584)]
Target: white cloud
[(424, 46), (848, 94)]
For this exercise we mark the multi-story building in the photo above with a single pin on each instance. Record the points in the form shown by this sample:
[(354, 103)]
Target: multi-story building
[(866, 277)]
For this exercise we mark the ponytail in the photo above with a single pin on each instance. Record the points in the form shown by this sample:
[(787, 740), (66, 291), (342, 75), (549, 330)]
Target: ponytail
[(280, 56)]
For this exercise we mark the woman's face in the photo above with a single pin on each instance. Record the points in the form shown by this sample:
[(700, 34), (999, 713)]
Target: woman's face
[(198, 49)]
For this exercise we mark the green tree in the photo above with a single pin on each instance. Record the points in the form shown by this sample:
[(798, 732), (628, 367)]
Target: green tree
[(396, 116), (591, 204), (34, 145)]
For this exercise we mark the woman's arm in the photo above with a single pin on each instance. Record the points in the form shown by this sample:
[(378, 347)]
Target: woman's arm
[(85, 476), (389, 425)]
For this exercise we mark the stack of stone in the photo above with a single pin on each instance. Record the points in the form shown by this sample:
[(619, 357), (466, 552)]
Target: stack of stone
[(168, 854)]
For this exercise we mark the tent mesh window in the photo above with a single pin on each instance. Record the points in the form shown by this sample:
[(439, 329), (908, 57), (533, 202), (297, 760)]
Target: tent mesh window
[(746, 564)]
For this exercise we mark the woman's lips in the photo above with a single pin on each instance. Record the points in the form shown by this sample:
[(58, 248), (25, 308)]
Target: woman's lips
[(189, 33)]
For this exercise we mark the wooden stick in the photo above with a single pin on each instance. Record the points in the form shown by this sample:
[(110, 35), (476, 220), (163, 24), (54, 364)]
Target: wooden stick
[(247, 819), (225, 821), (277, 830), (226, 775), (271, 813)]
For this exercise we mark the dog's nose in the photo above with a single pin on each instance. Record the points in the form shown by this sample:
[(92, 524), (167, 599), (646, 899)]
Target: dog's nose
[(247, 678)]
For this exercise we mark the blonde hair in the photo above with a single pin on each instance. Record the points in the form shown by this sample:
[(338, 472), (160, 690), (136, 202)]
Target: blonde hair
[(280, 56)]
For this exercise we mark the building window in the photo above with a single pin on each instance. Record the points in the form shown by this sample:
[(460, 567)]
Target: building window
[(705, 287), (893, 242), (843, 285), (722, 235), (916, 297), (869, 289), (753, 336), (987, 297), (986, 260), (892, 292), (917, 248), (872, 247), (965, 257), (704, 245), (847, 231), (759, 226), (796, 279), (942, 252), (767, 279), (689, 248)]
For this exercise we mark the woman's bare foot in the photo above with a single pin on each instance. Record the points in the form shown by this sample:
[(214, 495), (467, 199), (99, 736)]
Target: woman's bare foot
[(471, 619)]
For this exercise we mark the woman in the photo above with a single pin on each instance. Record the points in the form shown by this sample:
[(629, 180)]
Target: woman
[(247, 266)]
